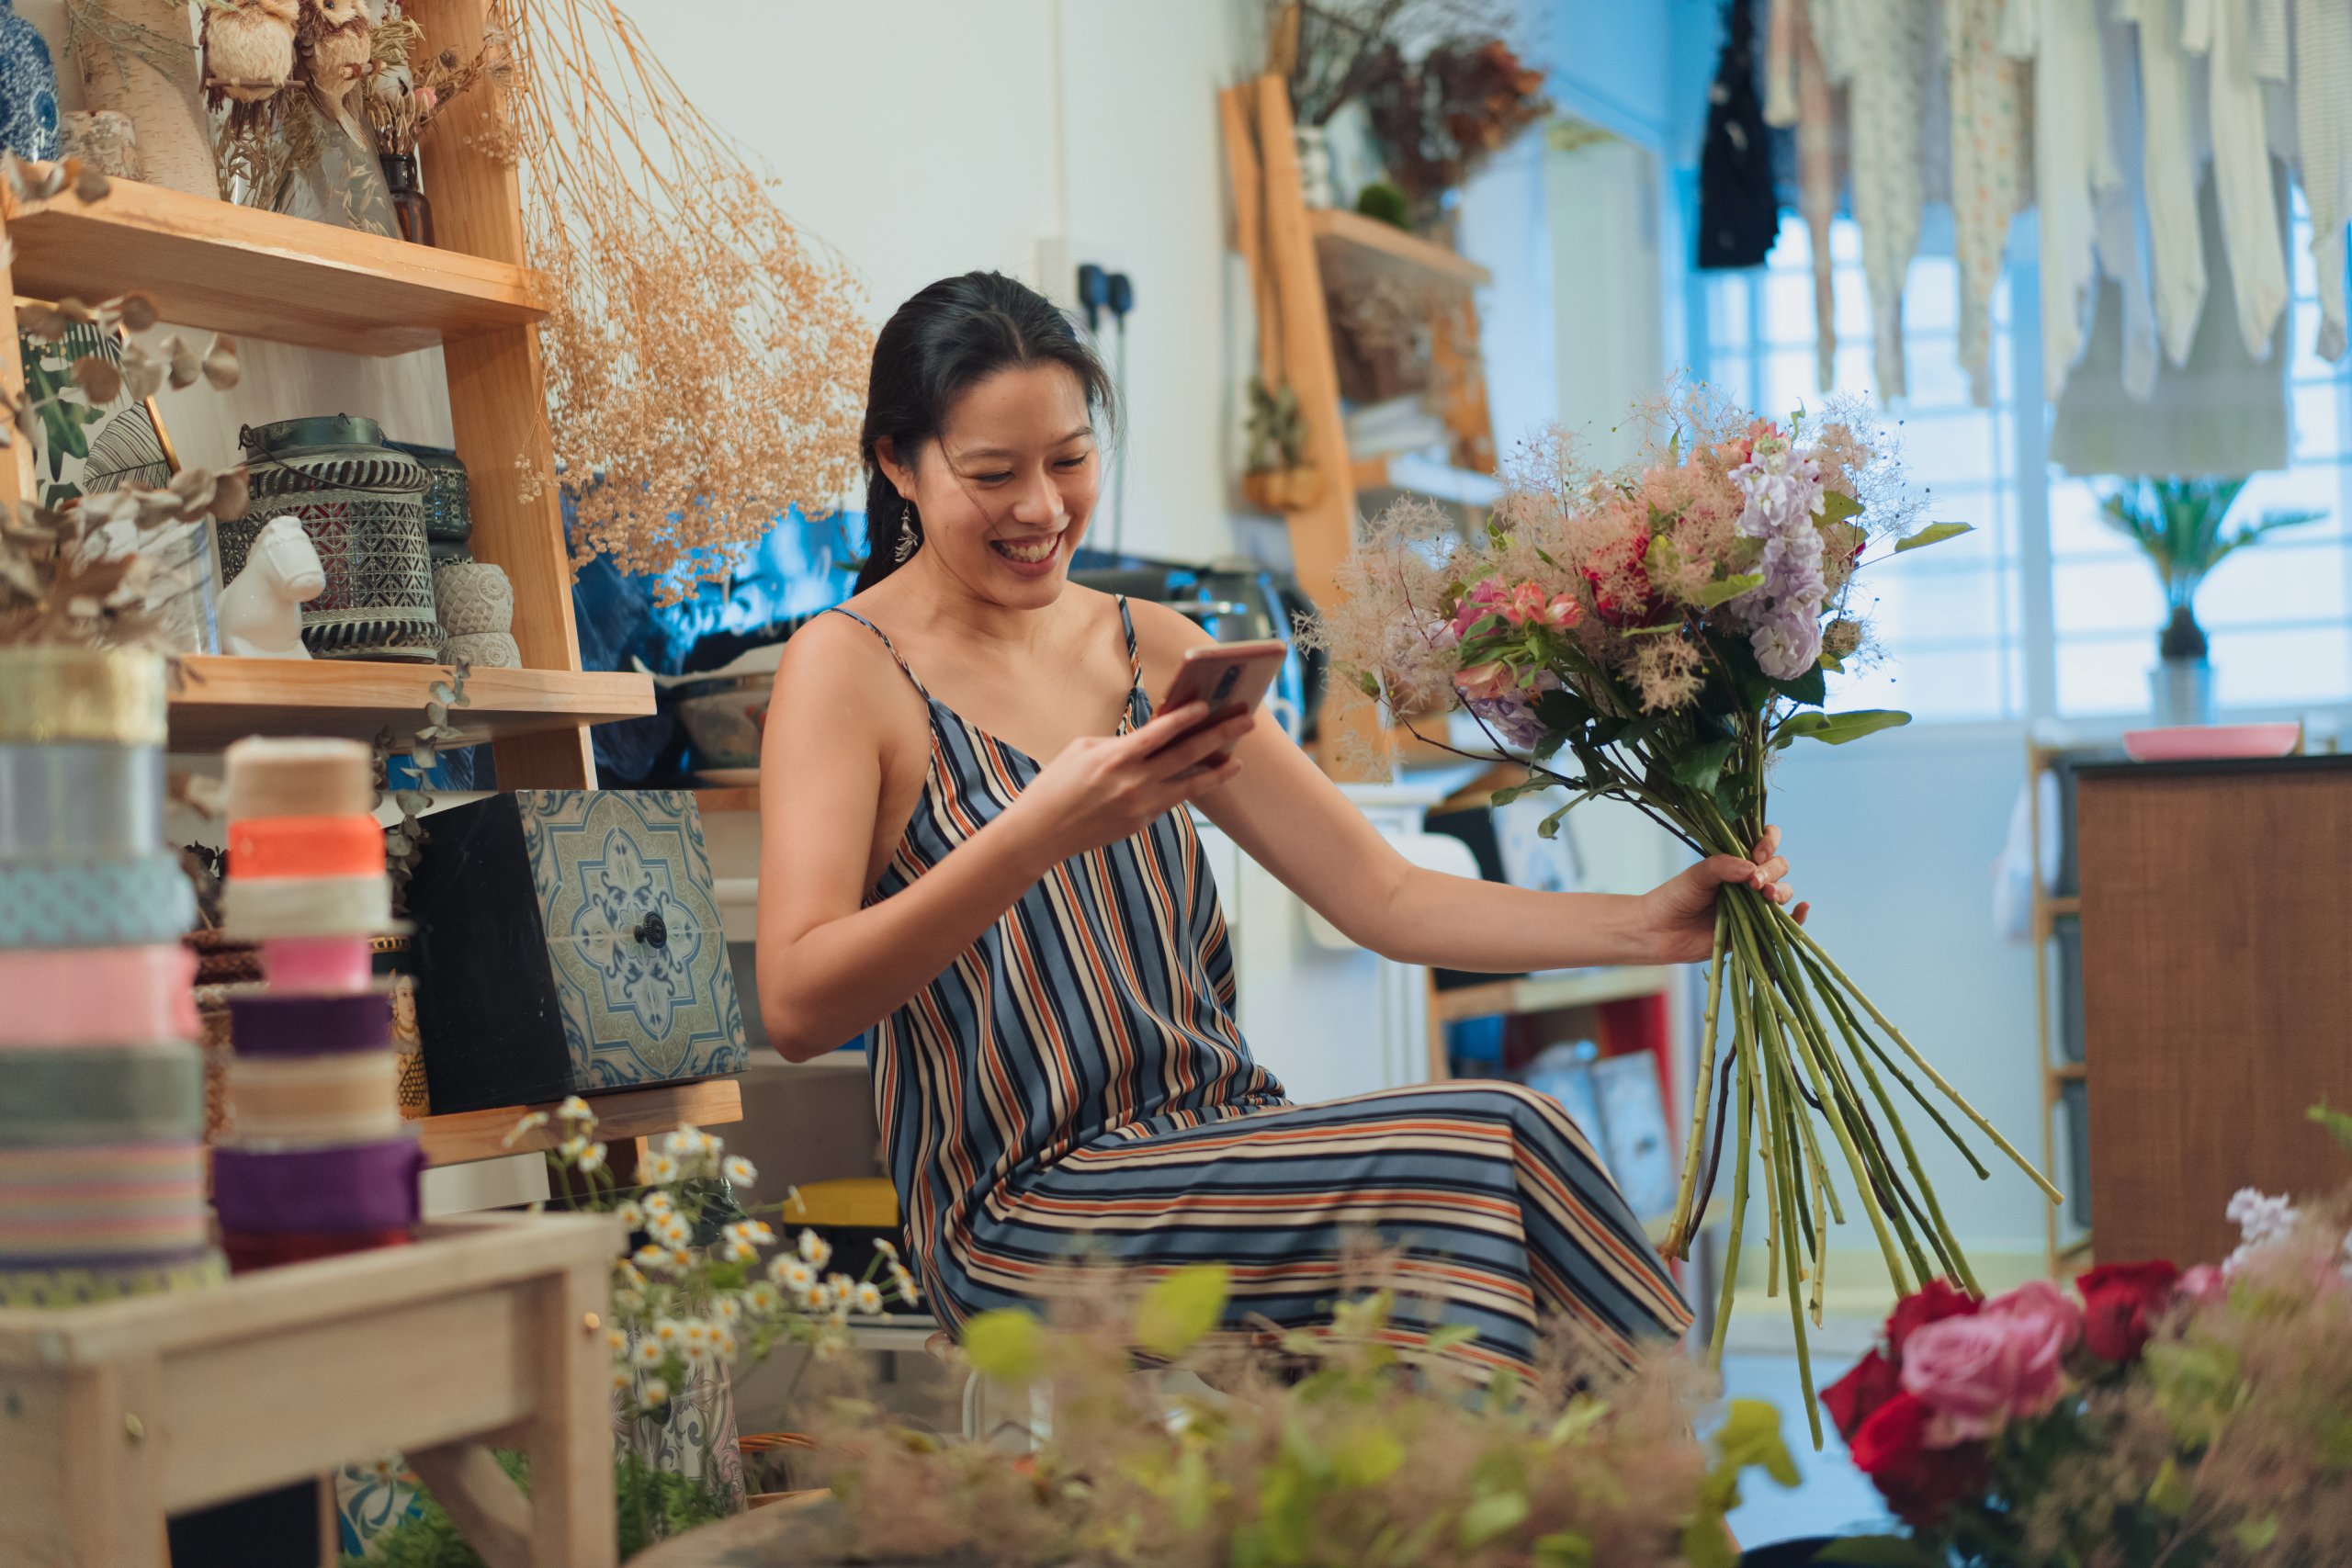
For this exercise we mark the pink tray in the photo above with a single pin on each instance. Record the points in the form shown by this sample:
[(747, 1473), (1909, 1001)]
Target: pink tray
[(2191, 742)]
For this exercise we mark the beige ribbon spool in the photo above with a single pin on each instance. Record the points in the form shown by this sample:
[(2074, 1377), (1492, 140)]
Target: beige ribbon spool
[(268, 908), (271, 777), (351, 1097), (55, 691)]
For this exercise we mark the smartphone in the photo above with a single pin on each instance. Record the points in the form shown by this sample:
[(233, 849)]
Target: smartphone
[(1231, 677)]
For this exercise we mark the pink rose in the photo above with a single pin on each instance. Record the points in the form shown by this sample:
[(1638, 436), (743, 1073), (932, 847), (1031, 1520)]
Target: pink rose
[(2003, 1363), (1484, 598), (1529, 605), (1487, 681)]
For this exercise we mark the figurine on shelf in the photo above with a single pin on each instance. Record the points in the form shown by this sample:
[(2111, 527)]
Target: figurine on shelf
[(408, 88), (261, 613), (249, 47)]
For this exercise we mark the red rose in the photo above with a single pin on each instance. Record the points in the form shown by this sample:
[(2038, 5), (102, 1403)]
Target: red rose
[(1855, 1397), (1931, 1303), (1622, 564), (2119, 1300), (1918, 1483)]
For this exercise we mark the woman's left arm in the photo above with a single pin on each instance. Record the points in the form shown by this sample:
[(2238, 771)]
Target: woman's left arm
[(1296, 822)]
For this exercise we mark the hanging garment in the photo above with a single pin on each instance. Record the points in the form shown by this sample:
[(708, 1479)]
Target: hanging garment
[(2323, 60), (2119, 213), (2174, 146), (1797, 95), (1879, 49), (1074, 1086), (1739, 216), (1991, 179), (2245, 45), (2073, 162), (2223, 413)]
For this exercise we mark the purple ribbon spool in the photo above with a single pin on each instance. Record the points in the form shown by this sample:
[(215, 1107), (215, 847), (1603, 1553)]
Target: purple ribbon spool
[(270, 1025), (353, 1187)]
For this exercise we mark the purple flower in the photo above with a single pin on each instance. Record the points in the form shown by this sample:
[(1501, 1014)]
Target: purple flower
[(1781, 485)]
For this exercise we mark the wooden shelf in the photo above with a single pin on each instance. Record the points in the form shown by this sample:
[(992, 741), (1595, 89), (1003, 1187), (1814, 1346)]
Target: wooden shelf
[(2067, 1072), (236, 269), (626, 1113), (1420, 476), (218, 698), (2055, 907), (740, 797), (1351, 240), (1528, 994)]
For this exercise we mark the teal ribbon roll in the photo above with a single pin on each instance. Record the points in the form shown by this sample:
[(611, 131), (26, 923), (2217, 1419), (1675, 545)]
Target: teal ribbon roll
[(95, 903), (130, 1094), (80, 801)]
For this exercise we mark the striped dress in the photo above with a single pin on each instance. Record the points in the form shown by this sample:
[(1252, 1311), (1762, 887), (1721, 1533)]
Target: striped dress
[(1074, 1086)]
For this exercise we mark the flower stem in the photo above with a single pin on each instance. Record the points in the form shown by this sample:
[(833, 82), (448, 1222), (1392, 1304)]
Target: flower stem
[(1745, 1112), (1784, 1177), (1685, 1198)]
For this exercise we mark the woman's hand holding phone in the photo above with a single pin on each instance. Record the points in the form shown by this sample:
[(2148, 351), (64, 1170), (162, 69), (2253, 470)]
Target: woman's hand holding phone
[(1104, 788)]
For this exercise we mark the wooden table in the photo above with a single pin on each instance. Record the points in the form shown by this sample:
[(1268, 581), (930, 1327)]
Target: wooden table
[(2217, 979), (488, 1330)]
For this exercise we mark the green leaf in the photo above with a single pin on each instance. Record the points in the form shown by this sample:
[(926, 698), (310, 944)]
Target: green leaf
[(1724, 590), (1007, 1345), (1933, 534), (2256, 1534), (1491, 1514), (1836, 728), (1751, 1435), (1580, 1417), (1699, 765), (2168, 1494), (2337, 1122), (1876, 1551), (1563, 1549), (1706, 1543), (1177, 1310), (1652, 631), (1811, 689), (1837, 506), (1366, 1456), (1446, 1336)]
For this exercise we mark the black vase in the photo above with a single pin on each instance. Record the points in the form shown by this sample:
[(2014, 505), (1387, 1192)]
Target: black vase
[(409, 204)]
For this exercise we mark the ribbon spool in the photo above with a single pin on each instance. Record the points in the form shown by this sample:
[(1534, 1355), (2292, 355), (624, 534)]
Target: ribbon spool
[(88, 1284), (277, 1025), (101, 1203), (279, 1102), (138, 1094), (350, 1188), (305, 907), (251, 1250), (80, 801), (329, 965), (263, 848), (52, 693), (96, 997), (94, 903), (265, 776)]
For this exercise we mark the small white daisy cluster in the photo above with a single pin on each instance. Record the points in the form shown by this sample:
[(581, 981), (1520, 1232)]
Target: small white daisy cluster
[(2261, 1219), (691, 1297)]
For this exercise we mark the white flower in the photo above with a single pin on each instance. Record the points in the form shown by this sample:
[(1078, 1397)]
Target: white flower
[(626, 1276), (629, 1303), (622, 1380), (841, 1287), (673, 1229), (681, 1258), (816, 1249), (574, 1109), (632, 1214), (886, 1250), (695, 1338), (904, 1281), (617, 1340), (571, 1148), (763, 1299), (669, 1332), (592, 1159), (648, 1352), (815, 1298), (830, 1347), (867, 1298), (2259, 1217), (753, 1230), (650, 1257), (661, 1169), (656, 1391), (722, 1341), (529, 1123), (728, 1309), (739, 1170), (838, 1316), (739, 1252), (658, 1203), (791, 1273)]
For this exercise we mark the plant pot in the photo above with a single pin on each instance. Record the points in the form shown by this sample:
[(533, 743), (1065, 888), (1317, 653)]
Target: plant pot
[(1283, 490), (2180, 687), (1313, 165)]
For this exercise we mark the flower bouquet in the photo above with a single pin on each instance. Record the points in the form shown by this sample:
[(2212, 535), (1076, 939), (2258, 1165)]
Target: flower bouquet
[(2172, 1418), (1654, 634)]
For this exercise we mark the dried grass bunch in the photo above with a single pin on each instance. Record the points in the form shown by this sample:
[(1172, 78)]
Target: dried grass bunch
[(1331, 1449), (706, 357), (409, 84), (75, 572), (1332, 51)]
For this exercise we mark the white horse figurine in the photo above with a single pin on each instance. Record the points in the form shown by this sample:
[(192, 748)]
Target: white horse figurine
[(261, 613)]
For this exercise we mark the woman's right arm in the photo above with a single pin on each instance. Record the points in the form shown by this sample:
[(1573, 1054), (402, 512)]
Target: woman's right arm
[(829, 969)]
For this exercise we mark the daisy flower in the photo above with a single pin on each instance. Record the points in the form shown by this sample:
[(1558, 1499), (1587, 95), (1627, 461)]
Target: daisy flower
[(574, 1109), (622, 1380), (530, 1124), (815, 1249), (792, 1274), (722, 1342), (681, 1258), (669, 1332), (739, 1252), (764, 1299), (648, 1352), (592, 1159), (660, 1168), (650, 1257), (617, 1340), (728, 1309), (739, 1170), (829, 1346), (868, 1297), (841, 1287), (695, 1338), (816, 1298), (886, 1250), (632, 1214), (904, 1281), (656, 1391), (672, 1228), (658, 1203), (628, 1302)]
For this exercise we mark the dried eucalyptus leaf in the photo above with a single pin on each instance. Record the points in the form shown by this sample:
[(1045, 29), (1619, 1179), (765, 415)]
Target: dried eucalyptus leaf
[(396, 843), (193, 486), (423, 757), (44, 322), (73, 310), (137, 311), (143, 374), (12, 169), (44, 181), (220, 367), (91, 184), (411, 802), (186, 367), (230, 495), (437, 714), (442, 692), (98, 378)]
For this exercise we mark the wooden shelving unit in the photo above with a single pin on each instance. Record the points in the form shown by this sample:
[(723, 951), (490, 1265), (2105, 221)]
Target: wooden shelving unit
[(1527, 994), (220, 699), (1350, 239), (2061, 1256), (628, 1113)]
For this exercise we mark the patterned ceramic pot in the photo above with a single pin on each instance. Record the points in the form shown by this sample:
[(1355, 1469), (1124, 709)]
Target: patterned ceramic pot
[(448, 505), (362, 503), (27, 89)]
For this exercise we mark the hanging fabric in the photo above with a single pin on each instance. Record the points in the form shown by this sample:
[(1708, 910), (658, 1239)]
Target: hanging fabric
[(1991, 178), (1739, 216), (2119, 213), (2323, 60), (2073, 163), (2245, 46), (1879, 49), (1798, 97), (2174, 146)]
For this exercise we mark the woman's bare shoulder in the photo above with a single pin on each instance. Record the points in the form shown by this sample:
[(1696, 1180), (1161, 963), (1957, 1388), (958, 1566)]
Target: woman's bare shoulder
[(836, 666)]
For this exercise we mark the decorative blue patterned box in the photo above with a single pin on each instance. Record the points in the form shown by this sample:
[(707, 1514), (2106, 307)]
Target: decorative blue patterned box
[(567, 943)]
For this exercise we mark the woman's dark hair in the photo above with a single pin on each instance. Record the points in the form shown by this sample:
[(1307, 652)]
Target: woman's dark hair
[(936, 346)]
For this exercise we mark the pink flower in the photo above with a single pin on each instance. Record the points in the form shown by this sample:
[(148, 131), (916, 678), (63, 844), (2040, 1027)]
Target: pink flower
[(2205, 1283), (1529, 605), (2003, 1363), (1488, 682), (1484, 598)]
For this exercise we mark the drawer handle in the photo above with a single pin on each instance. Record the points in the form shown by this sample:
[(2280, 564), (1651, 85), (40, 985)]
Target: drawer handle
[(651, 932)]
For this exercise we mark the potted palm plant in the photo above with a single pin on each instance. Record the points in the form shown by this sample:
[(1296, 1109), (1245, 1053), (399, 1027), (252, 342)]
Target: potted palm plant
[(2182, 527)]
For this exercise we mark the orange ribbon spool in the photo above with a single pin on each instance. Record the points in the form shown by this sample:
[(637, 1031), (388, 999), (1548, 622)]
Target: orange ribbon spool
[(265, 847)]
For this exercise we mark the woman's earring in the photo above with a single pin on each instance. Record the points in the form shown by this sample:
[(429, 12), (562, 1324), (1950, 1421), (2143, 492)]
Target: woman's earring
[(907, 537)]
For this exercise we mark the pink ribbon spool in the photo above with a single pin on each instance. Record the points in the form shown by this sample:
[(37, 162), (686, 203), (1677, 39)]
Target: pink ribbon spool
[(318, 965)]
